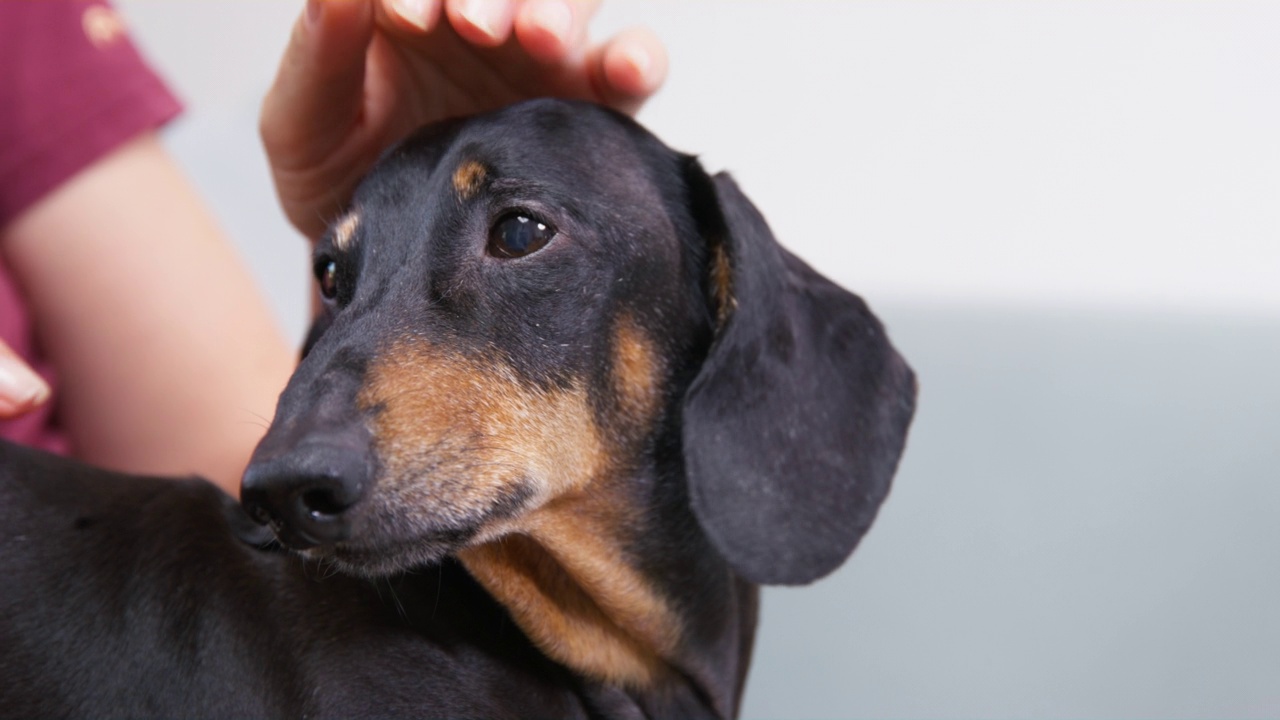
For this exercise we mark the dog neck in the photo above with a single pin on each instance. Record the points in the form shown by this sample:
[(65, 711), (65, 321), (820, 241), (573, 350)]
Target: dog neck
[(615, 578), (675, 633)]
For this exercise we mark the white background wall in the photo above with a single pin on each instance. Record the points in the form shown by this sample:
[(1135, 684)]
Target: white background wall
[(1109, 154), (1069, 215)]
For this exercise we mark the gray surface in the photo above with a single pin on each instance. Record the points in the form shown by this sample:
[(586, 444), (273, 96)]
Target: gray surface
[(1085, 525)]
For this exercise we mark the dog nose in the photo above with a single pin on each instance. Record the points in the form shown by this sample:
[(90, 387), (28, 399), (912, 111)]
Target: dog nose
[(305, 495)]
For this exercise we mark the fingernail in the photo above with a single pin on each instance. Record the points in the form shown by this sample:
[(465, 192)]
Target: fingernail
[(415, 12), (638, 58), (555, 17), (19, 385), (482, 14), (313, 11)]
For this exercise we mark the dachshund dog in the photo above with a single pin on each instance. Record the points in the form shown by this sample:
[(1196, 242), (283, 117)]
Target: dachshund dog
[(568, 404)]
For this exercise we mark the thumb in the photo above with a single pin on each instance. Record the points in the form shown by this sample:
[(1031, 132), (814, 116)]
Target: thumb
[(317, 93), (21, 389)]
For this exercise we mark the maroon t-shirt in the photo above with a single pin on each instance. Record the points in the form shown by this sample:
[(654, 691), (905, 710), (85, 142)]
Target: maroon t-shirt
[(72, 88)]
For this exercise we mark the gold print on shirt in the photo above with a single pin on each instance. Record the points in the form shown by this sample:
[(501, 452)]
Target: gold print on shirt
[(102, 26)]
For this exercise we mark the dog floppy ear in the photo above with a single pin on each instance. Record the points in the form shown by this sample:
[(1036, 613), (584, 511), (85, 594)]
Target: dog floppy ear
[(794, 425)]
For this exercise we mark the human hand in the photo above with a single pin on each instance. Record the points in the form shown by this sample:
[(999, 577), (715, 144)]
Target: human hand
[(359, 75), (21, 389)]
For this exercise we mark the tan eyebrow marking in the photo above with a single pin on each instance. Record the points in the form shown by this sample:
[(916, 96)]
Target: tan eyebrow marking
[(345, 230), (468, 178)]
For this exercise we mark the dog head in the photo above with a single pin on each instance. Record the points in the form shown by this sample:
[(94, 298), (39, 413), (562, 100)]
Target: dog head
[(560, 350)]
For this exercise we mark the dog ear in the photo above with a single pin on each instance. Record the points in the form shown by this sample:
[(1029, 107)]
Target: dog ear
[(794, 424)]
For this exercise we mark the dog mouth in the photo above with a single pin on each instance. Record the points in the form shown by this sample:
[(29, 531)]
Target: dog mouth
[(397, 526), (382, 557), (380, 562)]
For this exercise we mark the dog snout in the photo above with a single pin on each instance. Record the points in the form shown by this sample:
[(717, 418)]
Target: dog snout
[(307, 495)]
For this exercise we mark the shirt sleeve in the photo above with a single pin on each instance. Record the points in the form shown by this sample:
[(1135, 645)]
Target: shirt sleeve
[(72, 88)]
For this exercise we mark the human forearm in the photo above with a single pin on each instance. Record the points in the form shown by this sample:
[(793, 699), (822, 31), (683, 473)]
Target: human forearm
[(169, 361)]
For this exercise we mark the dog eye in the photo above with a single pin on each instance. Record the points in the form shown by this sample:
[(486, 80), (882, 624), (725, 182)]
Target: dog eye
[(517, 234), (327, 276)]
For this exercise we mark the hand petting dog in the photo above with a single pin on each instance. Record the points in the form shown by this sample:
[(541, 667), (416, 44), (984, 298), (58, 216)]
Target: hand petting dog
[(359, 75)]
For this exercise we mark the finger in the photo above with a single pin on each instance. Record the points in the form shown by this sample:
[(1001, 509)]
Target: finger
[(316, 96), (413, 16), (628, 69), (552, 31), (486, 23), (21, 389)]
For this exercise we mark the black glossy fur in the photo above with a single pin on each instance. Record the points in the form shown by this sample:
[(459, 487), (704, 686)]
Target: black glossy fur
[(133, 597), (781, 414)]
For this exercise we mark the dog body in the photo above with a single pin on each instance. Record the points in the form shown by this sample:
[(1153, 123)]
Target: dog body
[(140, 597), (568, 403)]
